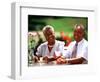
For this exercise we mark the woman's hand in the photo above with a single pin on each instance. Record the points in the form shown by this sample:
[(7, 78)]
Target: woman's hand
[(45, 59)]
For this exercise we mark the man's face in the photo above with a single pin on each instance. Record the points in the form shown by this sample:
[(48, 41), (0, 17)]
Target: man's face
[(78, 33), (50, 36)]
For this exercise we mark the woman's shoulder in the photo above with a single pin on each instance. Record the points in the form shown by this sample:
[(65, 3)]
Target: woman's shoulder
[(43, 44), (60, 42)]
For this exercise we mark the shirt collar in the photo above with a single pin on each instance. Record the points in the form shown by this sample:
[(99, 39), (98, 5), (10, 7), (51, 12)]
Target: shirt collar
[(54, 44), (81, 41)]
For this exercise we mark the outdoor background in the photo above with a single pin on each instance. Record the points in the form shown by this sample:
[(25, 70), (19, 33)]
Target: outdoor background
[(63, 26)]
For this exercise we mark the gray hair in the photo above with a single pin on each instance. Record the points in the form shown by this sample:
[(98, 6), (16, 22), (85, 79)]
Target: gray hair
[(80, 26), (48, 27)]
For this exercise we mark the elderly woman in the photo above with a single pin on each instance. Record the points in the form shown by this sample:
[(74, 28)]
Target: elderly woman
[(51, 48)]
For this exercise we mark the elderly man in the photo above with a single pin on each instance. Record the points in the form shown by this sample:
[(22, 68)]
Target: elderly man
[(77, 51), (51, 48)]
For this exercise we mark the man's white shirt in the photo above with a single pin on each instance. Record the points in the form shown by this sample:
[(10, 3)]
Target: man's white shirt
[(82, 49), (42, 50)]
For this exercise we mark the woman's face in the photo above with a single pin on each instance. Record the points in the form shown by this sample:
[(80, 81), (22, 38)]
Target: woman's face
[(50, 36)]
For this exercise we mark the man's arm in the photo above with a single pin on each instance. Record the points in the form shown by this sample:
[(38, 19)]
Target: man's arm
[(79, 60)]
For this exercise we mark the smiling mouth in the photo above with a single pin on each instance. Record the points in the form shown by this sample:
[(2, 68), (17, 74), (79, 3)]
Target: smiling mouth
[(76, 37)]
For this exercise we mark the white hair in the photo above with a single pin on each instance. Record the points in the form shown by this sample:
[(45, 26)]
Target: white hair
[(48, 27), (80, 26)]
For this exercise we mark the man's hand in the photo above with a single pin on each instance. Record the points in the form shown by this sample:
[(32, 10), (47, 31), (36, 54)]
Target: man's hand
[(61, 61)]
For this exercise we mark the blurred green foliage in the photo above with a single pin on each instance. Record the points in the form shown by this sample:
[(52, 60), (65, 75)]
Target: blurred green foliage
[(60, 23)]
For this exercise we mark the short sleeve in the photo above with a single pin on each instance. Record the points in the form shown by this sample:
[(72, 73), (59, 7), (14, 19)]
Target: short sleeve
[(84, 53)]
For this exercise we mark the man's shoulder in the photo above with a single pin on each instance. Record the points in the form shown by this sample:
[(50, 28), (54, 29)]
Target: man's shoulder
[(85, 42)]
